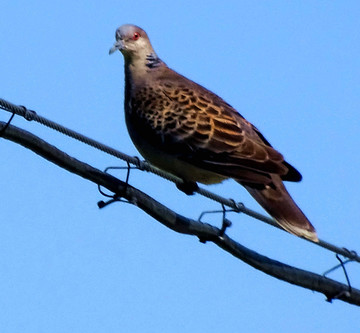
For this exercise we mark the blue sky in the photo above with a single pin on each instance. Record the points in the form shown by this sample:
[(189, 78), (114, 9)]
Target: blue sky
[(290, 67)]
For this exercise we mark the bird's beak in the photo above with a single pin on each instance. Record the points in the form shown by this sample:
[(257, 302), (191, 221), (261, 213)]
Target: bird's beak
[(118, 45)]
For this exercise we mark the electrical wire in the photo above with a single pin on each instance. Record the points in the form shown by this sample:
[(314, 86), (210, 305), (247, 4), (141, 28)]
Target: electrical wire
[(31, 115)]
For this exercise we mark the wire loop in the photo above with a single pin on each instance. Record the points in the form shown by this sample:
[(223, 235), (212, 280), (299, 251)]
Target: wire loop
[(29, 115), (3, 130)]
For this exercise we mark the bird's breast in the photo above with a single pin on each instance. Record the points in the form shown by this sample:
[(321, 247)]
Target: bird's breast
[(155, 152)]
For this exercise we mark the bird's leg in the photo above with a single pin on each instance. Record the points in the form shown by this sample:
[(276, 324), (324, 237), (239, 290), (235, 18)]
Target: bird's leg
[(187, 187)]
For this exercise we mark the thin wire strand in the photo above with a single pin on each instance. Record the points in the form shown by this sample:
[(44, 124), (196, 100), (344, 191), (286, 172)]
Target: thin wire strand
[(31, 115)]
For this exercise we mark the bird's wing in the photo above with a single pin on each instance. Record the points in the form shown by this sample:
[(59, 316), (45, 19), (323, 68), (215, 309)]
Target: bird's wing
[(200, 128)]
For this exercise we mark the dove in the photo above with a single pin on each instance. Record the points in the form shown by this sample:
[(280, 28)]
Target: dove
[(184, 129)]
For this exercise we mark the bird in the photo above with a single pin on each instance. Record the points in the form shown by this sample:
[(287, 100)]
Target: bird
[(183, 128)]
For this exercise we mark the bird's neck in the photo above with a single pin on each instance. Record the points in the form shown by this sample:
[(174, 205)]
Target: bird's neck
[(138, 70)]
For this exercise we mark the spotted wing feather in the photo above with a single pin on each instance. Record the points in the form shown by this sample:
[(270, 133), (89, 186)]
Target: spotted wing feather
[(198, 126)]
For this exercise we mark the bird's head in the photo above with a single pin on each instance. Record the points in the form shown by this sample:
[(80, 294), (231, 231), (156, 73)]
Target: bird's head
[(132, 42)]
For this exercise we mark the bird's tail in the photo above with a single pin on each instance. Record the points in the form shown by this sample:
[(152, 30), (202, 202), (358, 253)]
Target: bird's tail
[(278, 203)]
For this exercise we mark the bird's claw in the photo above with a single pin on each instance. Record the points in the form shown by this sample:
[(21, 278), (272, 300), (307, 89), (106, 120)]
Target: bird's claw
[(188, 188)]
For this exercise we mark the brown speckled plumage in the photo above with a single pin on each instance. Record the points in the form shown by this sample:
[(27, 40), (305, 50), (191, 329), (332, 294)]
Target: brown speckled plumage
[(185, 129)]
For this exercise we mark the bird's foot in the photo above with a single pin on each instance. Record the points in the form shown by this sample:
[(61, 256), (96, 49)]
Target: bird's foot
[(188, 188)]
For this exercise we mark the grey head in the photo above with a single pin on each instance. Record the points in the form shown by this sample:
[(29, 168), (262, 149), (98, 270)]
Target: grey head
[(133, 42)]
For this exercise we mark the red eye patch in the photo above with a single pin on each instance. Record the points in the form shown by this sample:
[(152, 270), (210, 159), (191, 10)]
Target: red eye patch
[(136, 36)]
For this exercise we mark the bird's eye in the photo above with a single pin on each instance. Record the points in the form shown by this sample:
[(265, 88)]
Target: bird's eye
[(136, 36)]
